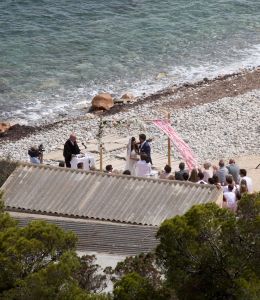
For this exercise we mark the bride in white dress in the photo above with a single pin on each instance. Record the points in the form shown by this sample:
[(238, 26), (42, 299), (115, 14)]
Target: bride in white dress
[(131, 155)]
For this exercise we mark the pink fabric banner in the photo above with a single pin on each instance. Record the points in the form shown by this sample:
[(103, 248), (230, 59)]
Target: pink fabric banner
[(183, 148)]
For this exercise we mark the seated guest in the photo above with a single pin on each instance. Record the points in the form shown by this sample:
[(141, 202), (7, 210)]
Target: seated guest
[(207, 173), (179, 174), (126, 172), (201, 177), (70, 148), (216, 181), (249, 183), (34, 155), (109, 169), (143, 168), (166, 173), (194, 175), (185, 176)]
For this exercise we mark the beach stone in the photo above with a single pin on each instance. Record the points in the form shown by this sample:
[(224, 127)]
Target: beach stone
[(119, 101), (102, 101), (128, 96), (4, 126)]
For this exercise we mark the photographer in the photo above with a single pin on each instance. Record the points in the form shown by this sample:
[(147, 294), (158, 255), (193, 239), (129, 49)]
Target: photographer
[(36, 154)]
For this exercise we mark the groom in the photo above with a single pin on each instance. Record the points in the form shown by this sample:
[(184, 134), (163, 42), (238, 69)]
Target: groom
[(145, 147)]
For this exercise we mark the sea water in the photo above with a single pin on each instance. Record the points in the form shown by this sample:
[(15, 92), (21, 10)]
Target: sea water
[(55, 55)]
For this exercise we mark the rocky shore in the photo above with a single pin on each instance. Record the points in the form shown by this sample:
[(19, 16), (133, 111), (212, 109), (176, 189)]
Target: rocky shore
[(217, 118)]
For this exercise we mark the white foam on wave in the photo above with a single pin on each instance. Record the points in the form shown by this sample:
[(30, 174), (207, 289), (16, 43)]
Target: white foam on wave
[(250, 58), (48, 108)]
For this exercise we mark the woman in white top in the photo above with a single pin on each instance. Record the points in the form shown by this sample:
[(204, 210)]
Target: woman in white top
[(131, 156), (230, 198), (207, 172)]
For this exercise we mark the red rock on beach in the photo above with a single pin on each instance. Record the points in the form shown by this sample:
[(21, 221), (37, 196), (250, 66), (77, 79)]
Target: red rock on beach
[(128, 96), (4, 126), (102, 101)]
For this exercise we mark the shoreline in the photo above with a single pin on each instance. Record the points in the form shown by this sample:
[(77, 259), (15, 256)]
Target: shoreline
[(200, 92), (185, 95), (217, 119)]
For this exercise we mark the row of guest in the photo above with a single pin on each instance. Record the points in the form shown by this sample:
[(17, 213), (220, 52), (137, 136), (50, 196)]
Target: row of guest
[(221, 172), (233, 183)]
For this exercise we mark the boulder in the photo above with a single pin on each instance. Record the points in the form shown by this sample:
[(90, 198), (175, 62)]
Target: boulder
[(4, 126), (102, 101)]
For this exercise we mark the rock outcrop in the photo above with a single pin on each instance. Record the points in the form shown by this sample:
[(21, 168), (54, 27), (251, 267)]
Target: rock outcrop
[(4, 126), (102, 101)]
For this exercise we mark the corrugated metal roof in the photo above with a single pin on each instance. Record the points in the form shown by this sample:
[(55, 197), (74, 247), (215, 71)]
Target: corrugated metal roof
[(100, 196), (99, 236)]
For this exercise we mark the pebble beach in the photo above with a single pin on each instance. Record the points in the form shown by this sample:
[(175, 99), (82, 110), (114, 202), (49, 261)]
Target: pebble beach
[(214, 127)]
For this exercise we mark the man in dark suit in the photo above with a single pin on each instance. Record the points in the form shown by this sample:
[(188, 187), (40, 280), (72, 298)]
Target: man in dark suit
[(145, 147), (70, 147), (179, 174)]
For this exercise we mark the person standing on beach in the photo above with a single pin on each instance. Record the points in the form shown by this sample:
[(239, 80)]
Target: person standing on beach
[(244, 177), (221, 172), (145, 147), (70, 148), (233, 170)]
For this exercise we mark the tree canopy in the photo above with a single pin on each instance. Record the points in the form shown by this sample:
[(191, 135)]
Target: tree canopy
[(211, 253), (208, 253), (39, 261)]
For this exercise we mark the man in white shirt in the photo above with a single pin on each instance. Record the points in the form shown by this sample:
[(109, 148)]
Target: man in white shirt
[(201, 177), (248, 180), (143, 168)]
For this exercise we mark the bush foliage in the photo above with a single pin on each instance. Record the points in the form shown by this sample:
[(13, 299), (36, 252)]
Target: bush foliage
[(39, 262), (208, 253), (6, 169)]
